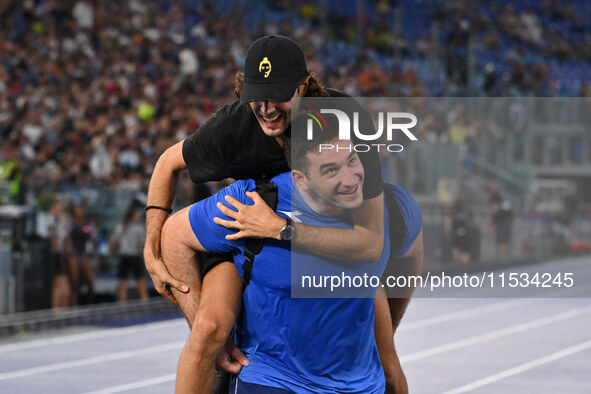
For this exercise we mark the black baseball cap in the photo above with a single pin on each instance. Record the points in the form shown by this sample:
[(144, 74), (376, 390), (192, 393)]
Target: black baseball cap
[(273, 67)]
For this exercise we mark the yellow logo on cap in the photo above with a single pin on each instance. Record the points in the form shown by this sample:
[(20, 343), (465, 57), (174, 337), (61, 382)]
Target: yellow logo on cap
[(265, 66)]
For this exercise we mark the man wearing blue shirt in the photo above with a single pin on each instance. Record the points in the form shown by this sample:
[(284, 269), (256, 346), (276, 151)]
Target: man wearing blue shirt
[(297, 345)]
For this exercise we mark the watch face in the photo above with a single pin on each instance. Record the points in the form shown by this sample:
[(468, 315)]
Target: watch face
[(287, 232)]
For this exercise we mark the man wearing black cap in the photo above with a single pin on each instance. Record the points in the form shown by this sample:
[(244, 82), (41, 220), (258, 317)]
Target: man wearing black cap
[(243, 140)]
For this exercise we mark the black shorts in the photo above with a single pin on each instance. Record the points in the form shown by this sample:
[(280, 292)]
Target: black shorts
[(461, 242), (131, 264), (503, 232), (209, 260), (55, 263)]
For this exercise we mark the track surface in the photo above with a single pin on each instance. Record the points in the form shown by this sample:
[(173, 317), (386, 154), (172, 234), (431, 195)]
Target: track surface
[(446, 345)]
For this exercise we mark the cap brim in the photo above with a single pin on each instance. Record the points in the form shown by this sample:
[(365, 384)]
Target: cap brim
[(279, 92)]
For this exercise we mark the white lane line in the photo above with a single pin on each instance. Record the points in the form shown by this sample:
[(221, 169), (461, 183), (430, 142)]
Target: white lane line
[(135, 385), (496, 334), (522, 368), (430, 321), (91, 360), (92, 335)]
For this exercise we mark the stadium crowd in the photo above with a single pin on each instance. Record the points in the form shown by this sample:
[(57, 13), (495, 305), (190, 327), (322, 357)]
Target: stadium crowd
[(94, 91)]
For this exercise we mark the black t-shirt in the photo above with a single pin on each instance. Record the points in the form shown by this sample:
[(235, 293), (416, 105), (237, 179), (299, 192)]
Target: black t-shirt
[(231, 144)]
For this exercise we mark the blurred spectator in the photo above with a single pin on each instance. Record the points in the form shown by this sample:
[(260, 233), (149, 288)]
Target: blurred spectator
[(57, 229), (84, 14), (462, 233), (458, 130), (80, 244), (10, 174), (128, 241), (502, 219)]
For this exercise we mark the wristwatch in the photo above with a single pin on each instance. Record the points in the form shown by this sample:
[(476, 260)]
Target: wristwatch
[(288, 232)]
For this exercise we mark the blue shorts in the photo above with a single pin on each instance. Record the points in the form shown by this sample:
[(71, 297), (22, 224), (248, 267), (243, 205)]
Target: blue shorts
[(237, 386)]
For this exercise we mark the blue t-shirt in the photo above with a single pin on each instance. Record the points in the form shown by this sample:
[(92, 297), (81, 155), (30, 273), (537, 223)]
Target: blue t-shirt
[(410, 212), (319, 345)]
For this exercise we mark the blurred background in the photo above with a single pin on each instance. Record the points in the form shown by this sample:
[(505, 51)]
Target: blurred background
[(92, 92)]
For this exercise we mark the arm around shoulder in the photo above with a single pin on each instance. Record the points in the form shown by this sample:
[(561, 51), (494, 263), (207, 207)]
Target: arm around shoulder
[(363, 242)]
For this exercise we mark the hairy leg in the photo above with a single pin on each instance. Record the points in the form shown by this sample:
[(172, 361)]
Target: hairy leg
[(180, 258), (211, 308), (221, 297)]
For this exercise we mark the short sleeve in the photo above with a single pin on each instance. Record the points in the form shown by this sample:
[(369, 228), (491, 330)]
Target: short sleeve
[(412, 215), (213, 236), (205, 151)]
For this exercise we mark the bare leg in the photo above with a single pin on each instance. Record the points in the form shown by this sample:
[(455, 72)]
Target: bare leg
[(221, 297), (503, 250), (141, 288), (74, 275), (88, 277), (122, 291), (61, 291), (211, 309), (180, 259)]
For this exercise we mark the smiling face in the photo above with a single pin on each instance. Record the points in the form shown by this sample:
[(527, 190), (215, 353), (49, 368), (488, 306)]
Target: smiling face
[(333, 181), (274, 118)]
